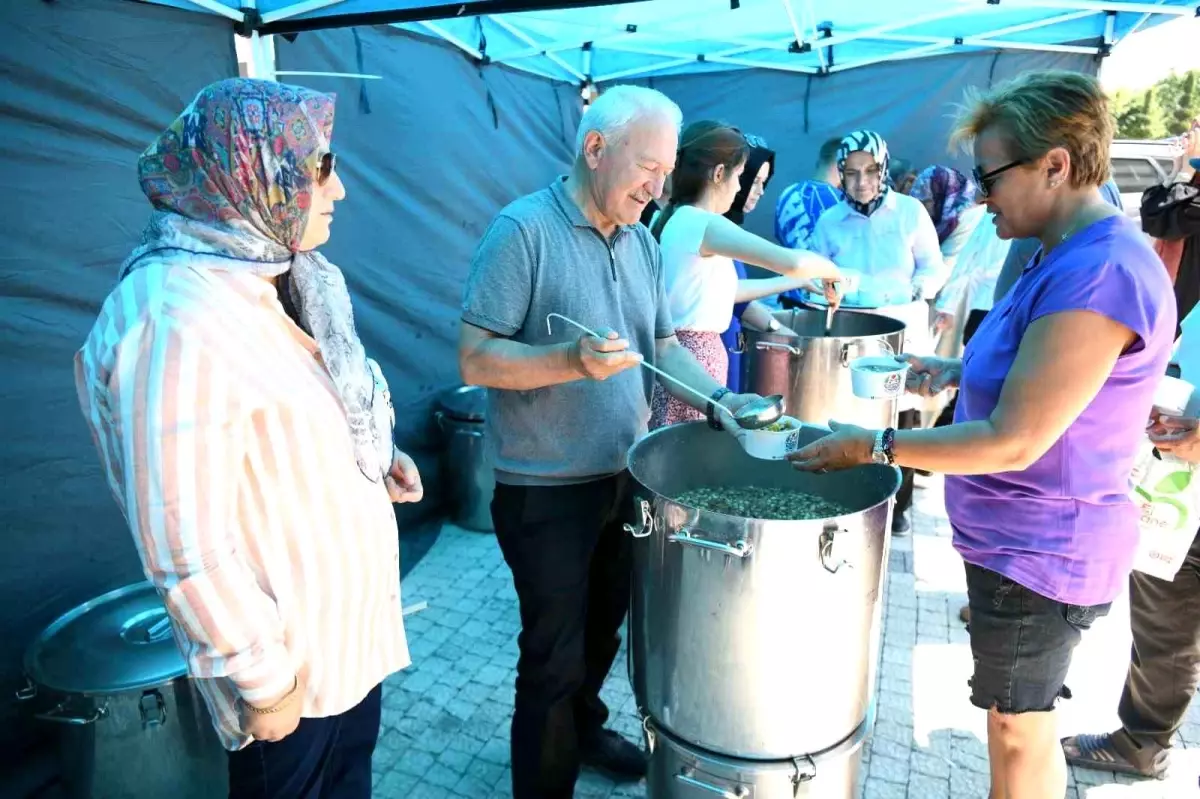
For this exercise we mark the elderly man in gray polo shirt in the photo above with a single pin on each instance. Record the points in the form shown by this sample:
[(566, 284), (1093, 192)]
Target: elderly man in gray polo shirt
[(564, 410)]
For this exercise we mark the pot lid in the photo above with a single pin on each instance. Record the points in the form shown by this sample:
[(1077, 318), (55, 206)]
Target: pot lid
[(466, 403), (118, 642)]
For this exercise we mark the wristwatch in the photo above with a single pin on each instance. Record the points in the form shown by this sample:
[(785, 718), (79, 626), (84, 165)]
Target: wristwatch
[(773, 325), (711, 410), (882, 452)]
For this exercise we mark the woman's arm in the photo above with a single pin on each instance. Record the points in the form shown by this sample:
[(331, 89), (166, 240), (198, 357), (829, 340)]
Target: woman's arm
[(1062, 363), (1063, 360), (752, 289), (722, 237)]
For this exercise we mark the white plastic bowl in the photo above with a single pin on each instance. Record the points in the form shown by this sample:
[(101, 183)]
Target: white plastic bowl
[(878, 377), (770, 444)]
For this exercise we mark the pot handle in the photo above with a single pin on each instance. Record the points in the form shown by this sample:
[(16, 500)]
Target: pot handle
[(738, 549), (825, 549), (774, 345), (647, 526), (740, 792), (59, 716), (884, 347)]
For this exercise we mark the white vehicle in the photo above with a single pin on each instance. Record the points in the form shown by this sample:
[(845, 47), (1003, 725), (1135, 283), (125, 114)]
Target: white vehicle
[(1138, 164)]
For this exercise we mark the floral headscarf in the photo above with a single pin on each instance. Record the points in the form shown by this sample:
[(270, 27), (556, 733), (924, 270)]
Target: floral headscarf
[(946, 193), (232, 181), (867, 141)]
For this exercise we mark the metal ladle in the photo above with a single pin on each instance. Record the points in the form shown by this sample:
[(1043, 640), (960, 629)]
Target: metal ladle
[(751, 416)]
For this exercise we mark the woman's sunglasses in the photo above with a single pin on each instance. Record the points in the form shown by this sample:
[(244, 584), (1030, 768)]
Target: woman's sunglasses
[(985, 180), (325, 170)]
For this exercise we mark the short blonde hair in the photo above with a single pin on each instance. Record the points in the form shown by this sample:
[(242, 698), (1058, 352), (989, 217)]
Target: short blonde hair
[(1038, 111)]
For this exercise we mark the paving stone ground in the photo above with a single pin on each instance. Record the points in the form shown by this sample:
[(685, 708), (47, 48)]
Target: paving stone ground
[(446, 718)]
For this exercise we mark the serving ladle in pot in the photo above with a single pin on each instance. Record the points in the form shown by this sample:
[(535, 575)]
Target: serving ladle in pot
[(753, 415)]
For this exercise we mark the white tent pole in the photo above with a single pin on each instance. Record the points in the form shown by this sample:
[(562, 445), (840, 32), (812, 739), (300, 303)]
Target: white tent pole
[(745, 62), (630, 73), (296, 9), (525, 37), (451, 38), (218, 8), (811, 16), (869, 33), (791, 15), (1041, 23), (1103, 5), (438, 30), (912, 52)]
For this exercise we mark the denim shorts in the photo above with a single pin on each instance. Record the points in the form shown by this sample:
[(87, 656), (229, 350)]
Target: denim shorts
[(1021, 642)]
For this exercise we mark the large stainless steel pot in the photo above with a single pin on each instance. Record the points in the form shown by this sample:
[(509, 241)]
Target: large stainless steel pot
[(109, 676), (811, 369), (756, 639), (680, 771)]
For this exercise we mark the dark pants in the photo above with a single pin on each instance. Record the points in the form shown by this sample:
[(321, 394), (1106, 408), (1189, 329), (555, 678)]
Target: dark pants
[(972, 324), (327, 758), (570, 560), (1165, 666)]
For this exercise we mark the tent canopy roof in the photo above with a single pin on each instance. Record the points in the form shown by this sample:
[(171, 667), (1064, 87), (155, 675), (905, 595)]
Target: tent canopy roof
[(581, 42)]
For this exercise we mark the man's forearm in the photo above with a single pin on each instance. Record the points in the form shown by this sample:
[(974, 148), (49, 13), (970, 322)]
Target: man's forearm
[(506, 364), (680, 364)]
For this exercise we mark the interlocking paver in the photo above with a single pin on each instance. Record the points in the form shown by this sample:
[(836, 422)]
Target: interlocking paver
[(446, 719)]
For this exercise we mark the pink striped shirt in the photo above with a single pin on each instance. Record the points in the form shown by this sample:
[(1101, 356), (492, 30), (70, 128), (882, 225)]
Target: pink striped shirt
[(227, 448)]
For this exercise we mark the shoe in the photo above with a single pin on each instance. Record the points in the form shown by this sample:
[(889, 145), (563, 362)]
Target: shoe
[(901, 525), (618, 758)]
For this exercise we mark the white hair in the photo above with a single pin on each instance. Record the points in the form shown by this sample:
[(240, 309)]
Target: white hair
[(618, 107)]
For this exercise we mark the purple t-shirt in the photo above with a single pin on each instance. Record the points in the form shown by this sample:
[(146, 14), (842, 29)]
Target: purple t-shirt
[(1065, 527)]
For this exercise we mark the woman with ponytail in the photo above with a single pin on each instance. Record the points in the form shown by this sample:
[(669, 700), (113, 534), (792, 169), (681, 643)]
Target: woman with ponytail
[(698, 248)]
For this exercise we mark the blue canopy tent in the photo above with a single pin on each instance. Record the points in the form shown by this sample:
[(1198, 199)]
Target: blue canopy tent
[(446, 112), (580, 41)]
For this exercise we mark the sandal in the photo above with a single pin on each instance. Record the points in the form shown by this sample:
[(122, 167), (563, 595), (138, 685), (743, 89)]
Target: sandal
[(1102, 753)]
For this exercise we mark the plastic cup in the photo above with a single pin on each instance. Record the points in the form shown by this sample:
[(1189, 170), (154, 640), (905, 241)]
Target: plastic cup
[(878, 377), (1172, 396)]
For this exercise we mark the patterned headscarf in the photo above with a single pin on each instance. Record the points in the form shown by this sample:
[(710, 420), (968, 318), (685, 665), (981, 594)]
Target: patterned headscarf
[(867, 141), (232, 182), (945, 193), (759, 154)]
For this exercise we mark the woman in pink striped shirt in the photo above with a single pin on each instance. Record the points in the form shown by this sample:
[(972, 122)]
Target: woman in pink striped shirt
[(247, 438)]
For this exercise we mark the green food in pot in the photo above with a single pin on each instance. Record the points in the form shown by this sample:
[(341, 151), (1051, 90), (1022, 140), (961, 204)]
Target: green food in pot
[(757, 502)]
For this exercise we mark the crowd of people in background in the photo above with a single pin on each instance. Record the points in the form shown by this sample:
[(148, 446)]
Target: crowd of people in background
[(239, 419)]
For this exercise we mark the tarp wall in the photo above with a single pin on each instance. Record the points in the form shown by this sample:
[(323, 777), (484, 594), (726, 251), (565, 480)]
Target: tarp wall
[(910, 103), (428, 154), (87, 84)]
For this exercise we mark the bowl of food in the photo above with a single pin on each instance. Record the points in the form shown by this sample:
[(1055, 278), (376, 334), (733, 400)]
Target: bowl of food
[(878, 376), (773, 442)]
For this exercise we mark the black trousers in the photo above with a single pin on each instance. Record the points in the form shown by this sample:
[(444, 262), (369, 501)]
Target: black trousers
[(327, 758), (1165, 666), (570, 560)]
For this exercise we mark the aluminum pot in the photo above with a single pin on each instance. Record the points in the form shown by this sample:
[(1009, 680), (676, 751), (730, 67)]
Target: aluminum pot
[(755, 639), (811, 369), (680, 771), (109, 676)]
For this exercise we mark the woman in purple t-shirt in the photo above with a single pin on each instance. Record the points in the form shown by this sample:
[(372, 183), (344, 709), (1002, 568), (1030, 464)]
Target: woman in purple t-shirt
[(1054, 392)]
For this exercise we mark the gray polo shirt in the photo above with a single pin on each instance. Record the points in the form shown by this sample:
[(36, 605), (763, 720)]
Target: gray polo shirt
[(542, 255)]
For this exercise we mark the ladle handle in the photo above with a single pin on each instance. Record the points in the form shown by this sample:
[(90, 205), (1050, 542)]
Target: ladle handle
[(654, 369)]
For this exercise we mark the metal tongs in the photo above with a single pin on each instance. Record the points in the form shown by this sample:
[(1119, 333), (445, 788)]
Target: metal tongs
[(752, 416)]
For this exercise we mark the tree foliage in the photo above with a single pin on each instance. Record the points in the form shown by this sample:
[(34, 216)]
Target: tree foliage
[(1165, 109)]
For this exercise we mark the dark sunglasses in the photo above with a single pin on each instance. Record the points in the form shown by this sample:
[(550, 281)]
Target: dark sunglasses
[(328, 164), (985, 181)]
